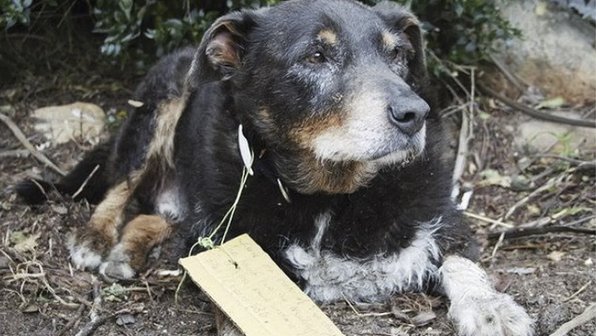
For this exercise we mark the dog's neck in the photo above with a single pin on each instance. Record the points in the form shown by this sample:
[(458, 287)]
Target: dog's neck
[(303, 172), (307, 174)]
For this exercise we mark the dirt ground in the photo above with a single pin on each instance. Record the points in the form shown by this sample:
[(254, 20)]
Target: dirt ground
[(551, 274)]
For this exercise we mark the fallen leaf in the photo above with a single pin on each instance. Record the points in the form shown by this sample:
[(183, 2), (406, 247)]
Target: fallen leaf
[(423, 318), (556, 256), (553, 103), (492, 177), (30, 308), (59, 209), (22, 242)]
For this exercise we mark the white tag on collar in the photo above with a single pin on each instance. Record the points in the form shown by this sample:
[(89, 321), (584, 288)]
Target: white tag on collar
[(245, 151)]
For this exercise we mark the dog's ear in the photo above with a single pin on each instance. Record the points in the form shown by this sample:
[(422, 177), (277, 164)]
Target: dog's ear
[(224, 45), (402, 20)]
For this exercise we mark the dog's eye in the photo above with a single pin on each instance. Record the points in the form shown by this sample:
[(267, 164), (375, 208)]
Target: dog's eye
[(402, 55), (317, 58), (399, 55)]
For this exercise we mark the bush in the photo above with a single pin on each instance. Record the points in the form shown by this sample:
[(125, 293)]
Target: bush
[(461, 31)]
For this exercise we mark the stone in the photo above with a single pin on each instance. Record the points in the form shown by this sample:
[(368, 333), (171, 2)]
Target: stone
[(79, 121)]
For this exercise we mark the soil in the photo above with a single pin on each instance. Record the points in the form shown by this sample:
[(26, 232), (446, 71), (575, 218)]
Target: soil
[(552, 275)]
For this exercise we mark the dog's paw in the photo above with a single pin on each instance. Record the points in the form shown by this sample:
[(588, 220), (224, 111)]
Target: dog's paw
[(492, 315), (84, 253), (117, 265), (113, 271)]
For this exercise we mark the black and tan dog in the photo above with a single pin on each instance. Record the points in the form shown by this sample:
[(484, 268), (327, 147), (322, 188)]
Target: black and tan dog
[(350, 194)]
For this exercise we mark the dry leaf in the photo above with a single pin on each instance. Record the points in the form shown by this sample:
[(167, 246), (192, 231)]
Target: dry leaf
[(23, 243), (556, 256)]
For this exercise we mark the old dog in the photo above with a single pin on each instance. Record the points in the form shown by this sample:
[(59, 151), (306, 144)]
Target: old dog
[(349, 189)]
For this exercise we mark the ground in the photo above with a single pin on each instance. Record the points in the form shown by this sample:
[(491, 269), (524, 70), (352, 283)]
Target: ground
[(551, 274)]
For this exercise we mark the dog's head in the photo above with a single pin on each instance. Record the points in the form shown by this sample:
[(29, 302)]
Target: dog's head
[(332, 79)]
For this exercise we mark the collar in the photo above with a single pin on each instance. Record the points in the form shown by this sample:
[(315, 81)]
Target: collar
[(262, 165)]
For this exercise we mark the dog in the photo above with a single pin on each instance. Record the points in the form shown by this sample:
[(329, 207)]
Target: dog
[(325, 104)]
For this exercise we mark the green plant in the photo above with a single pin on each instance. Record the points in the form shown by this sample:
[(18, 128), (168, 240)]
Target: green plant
[(14, 11), (460, 31)]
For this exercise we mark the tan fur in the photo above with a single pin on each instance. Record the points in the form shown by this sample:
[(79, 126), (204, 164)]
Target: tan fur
[(328, 36), (140, 235), (304, 133), (102, 230), (161, 147), (389, 40), (315, 175)]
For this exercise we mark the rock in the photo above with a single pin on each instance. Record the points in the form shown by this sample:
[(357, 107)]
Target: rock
[(556, 51), (78, 121), (542, 136), (125, 319)]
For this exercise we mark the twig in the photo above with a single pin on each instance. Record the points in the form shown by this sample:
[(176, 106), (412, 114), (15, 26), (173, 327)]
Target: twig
[(579, 221), (538, 114), (359, 314), (575, 162), (577, 321), (487, 220), (462, 148), (511, 77), (85, 182), (18, 153), (96, 320), (23, 139), (497, 245), (72, 321), (524, 232), (549, 184), (583, 288)]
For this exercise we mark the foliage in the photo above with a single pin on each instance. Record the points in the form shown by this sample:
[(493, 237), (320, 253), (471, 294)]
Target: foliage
[(460, 31), (14, 11)]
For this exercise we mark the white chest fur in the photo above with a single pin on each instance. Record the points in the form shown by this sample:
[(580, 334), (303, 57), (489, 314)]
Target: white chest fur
[(330, 277)]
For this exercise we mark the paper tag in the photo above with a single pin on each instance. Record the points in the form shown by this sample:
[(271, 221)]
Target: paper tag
[(245, 283)]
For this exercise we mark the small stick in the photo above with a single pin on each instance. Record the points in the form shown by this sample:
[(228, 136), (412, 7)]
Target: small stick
[(524, 232), (96, 320), (577, 321), (85, 182), (549, 184), (511, 77), (72, 321), (537, 114), (487, 220), (18, 153), (497, 245), (583, 288), (23, 139)]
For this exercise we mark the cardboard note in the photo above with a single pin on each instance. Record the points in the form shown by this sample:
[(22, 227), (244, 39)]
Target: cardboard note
[(245, 283)]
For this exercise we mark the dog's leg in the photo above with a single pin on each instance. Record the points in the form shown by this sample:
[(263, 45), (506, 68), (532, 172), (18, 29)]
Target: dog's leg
[(139, 236), (90, 244), (476, 307)]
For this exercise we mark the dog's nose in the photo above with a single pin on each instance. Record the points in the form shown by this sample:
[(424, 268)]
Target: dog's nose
[(408, 114)]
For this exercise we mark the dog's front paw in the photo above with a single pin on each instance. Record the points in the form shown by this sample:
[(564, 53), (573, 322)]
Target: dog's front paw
[(117, 265), (491, 315), (87, 249)]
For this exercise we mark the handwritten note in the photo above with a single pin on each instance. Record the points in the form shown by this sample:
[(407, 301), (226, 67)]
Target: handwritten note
[(254, 293)]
